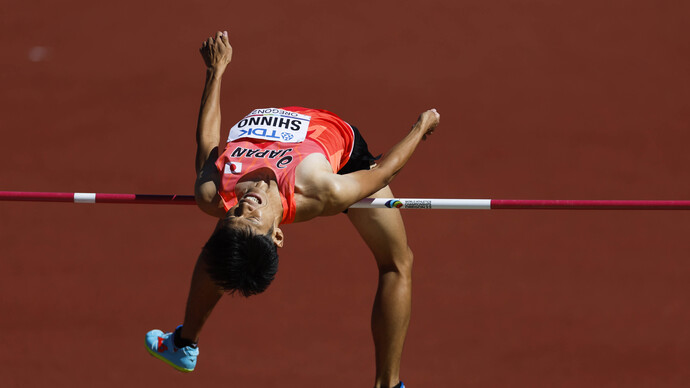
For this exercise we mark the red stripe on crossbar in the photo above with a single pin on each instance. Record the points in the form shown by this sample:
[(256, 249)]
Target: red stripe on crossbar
[(588, 205)]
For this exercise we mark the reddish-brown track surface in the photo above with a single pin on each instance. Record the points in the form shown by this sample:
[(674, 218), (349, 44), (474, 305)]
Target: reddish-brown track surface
[(539, 100)]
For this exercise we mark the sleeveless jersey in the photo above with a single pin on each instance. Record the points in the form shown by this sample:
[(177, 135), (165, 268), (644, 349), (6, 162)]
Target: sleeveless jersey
[(326, 134)]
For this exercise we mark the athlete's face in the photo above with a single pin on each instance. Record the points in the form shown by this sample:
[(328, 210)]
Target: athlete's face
[(253, 211)]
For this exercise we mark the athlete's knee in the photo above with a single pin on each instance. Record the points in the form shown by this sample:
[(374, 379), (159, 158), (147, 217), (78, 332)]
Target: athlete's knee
[(400, 262)]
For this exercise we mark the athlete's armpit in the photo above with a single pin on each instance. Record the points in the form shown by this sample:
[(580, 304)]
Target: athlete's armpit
[(347, 189), (328, 194)]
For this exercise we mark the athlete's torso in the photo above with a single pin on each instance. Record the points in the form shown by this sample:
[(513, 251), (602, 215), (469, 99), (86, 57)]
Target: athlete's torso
[(261, 140)]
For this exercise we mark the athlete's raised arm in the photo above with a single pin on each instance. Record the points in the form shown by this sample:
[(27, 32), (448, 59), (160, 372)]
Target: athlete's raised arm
[(217, 53), (341, 191)]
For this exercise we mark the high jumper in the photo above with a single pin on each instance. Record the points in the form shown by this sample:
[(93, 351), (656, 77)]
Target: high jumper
[(285, 165)]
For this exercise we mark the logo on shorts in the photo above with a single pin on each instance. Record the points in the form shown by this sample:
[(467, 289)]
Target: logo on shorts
[(394, 203)]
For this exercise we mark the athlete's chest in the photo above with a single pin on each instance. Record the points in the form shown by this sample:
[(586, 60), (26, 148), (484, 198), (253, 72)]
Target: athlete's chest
[(309, 190)]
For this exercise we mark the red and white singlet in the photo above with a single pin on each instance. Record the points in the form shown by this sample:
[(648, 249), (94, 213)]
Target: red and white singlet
[(280, 138)]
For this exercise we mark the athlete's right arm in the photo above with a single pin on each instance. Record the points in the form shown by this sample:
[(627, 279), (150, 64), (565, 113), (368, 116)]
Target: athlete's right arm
[(326, 193), (217, 54)]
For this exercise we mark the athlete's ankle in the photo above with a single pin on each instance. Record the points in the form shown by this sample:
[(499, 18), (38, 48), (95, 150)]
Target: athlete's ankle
[(398, 385), (182, 342)]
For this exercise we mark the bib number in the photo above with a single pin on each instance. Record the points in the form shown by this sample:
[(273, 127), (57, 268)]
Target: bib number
[(272, 124)]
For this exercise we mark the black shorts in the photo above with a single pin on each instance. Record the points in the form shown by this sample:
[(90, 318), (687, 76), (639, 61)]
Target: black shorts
[(360, 158)]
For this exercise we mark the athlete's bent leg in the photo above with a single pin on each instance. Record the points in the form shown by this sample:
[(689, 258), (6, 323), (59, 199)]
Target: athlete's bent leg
[(178, 348), (203, 296), (384, 233)]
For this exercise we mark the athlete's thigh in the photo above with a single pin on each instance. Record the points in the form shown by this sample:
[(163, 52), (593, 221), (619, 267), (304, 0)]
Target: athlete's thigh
[(382, 230)]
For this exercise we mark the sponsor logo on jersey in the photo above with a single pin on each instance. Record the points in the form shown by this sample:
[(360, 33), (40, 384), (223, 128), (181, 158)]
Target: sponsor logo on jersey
[(273, 125)]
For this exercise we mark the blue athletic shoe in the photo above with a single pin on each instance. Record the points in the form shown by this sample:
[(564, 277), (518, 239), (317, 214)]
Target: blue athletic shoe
[(162, 346)]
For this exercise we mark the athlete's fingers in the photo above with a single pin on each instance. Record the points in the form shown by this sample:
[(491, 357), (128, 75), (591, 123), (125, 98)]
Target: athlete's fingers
[(438, 115)]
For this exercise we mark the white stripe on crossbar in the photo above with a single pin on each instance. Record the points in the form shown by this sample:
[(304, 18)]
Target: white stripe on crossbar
[(84, 197)]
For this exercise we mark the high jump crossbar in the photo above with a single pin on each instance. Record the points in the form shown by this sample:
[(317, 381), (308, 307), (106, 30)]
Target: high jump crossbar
[(398, 203)]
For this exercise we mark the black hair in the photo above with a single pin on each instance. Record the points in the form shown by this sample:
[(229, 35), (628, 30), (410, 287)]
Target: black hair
[(240, 261)]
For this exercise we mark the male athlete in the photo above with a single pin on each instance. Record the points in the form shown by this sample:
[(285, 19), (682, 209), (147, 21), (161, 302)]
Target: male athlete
[(282, 166)]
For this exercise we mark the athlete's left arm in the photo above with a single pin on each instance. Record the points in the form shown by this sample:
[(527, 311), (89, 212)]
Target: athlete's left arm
[(338, 192)]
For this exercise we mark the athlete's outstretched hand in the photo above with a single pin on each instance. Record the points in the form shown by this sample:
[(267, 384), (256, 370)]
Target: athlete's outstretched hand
[(427, 122), (216, 51)]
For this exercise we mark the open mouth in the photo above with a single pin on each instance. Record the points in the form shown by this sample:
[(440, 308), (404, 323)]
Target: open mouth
[(252, 197)]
